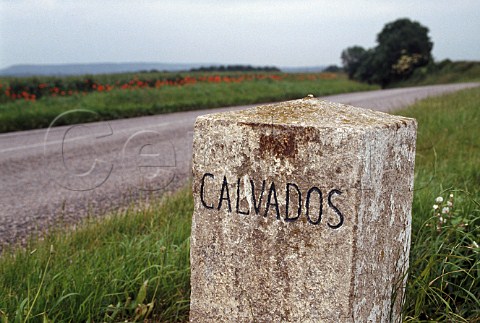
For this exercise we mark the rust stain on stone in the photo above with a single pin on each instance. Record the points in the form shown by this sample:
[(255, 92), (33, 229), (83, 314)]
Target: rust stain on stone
[(281, 144)]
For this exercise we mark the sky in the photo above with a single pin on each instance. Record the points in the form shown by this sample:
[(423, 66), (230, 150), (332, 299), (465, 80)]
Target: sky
[(284, 33)]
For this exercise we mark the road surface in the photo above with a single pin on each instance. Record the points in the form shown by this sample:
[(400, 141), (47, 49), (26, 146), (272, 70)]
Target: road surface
[(59, 175)]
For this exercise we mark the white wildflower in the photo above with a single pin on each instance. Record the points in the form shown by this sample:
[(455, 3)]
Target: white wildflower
[(449, 203), (451, 196), (445, 210), (439, 199), (435, 206)]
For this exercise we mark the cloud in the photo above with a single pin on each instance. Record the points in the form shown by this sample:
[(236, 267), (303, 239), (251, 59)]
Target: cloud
[(282, 32)]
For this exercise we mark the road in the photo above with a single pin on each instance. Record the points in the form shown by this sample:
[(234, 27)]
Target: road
[(59, 175)]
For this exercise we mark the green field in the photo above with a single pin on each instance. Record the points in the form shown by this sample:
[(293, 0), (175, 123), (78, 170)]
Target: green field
[(35, 102), (135, 264)]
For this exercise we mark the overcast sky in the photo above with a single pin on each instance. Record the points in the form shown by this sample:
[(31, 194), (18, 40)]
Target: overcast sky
[(258, 32)]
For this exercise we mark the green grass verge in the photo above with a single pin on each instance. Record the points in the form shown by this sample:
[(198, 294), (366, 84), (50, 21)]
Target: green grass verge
[(443, 72), (97, 272), (129, 265), (444, 281), (23, 115)]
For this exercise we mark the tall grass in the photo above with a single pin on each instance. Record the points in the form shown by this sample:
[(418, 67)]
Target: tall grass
[(136, 264), (125, 267), (444, 282)]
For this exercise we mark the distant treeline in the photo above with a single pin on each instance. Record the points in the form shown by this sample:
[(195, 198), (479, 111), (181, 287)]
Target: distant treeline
[(235, 68)]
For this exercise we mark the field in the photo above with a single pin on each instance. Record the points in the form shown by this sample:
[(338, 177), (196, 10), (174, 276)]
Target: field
[(31, 103), (135, 264)]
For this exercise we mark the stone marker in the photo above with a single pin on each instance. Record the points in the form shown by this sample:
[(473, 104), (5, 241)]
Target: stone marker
[(302, 214)]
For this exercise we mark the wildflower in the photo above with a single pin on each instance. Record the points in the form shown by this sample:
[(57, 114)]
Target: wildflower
[(445, 210), (439, 199), (449, 203), (435, 206), (451, 196)]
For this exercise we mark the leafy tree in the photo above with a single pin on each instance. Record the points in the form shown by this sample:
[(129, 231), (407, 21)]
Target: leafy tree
[(403, 46), (352, 58), (366, 69)]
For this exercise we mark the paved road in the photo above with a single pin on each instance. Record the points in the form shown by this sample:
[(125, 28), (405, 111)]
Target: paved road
[(56, 176)]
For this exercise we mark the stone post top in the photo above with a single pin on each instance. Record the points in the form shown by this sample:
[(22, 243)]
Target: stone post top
[(310, 112)]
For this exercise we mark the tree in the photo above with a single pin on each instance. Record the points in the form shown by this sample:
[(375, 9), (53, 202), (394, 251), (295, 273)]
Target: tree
[(365, 71), (403, 46), (352, 58)]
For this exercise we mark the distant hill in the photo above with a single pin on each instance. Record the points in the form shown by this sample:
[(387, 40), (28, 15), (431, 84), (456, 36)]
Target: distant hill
[(111, 68), (95, 68)]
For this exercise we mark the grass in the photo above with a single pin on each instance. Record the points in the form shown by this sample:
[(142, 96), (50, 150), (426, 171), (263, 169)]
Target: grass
[(443, 72), (98, 272), (444, 282), (121, 267), (118, 103)]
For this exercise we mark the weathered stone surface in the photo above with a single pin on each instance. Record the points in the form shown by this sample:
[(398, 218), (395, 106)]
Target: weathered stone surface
[(302, 214)]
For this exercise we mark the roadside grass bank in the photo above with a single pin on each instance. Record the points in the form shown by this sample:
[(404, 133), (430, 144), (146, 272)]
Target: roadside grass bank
[(135, 264), (142, 98), (443, 72), (127, 266), (444, 279)]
